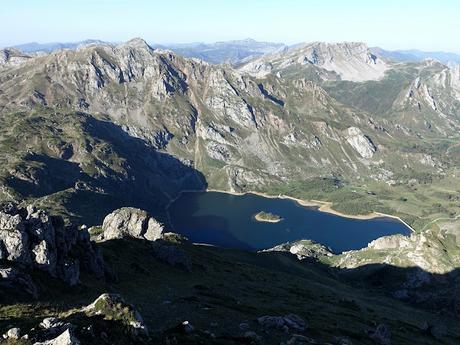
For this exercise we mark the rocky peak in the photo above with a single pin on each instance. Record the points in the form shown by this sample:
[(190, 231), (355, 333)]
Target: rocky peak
[(12, 57), (136, 43), (349, 60), (327, 51), (454, 69)]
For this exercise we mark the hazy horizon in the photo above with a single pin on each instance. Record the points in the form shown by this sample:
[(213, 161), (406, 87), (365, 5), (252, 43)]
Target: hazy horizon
[(391, 25), (166, 44)]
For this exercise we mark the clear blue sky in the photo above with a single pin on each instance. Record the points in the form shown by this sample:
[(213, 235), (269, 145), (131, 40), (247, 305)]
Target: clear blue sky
[(392, 24)]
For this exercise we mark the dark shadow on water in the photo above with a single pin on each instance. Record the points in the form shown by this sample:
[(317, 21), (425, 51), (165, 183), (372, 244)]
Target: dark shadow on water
[(213, 230)]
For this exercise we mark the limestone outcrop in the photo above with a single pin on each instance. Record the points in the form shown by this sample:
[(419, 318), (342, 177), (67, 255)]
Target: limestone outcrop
[(114, 307), (360, 142), (131, 222), (32, 238)]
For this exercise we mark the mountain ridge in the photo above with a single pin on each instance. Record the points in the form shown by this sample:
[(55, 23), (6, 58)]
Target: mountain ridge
[(202, 50), (202, 113), (88, 131)]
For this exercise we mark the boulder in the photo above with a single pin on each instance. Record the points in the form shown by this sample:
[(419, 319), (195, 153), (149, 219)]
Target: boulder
[(12, 333), (381, 335), (51, 322), (51, 327), (131, 222), (188, 327), (65, 338), (114, 307), (172, 255)]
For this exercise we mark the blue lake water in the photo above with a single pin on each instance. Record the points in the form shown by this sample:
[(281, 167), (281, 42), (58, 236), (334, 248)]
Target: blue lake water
[(227, 220)]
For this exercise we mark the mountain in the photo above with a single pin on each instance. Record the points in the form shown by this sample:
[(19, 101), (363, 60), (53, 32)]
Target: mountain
[(233, 52), (12, 57), (414, 55), (299, 122), (239, 51), (348, 61), (86, 131), (34, 47)]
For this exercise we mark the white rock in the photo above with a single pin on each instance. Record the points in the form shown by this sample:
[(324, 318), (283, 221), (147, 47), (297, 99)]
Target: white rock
[(360, 142), (131, 222), (66, 338), (13, 333)]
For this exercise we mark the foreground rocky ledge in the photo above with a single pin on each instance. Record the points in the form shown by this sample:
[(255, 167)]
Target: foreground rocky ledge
[(168, 278), (31, 238)]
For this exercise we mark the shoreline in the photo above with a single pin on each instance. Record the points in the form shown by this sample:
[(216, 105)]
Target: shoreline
[(323, 206)]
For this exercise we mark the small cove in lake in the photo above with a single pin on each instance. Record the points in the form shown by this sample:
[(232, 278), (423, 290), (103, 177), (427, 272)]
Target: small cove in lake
[(227, 220)]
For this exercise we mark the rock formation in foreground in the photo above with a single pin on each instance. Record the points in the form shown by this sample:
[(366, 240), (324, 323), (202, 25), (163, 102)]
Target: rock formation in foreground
[(32, 239)]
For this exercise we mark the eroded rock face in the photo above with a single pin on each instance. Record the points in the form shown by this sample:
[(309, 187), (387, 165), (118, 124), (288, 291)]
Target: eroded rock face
[(361, 143), (12, 57), (131, 222), (35, 239), (348, 61), (227, 103)]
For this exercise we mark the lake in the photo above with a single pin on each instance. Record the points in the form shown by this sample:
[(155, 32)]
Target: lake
[(227, 220)]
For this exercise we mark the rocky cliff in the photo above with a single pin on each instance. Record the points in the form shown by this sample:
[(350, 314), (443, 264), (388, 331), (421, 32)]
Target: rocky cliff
[(32, 239), (122, 117), (347, 61)]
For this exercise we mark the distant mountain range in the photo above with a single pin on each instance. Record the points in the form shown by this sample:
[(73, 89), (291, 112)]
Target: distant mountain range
[(233, 52), (414, 55), (34, 47), (240, 51)]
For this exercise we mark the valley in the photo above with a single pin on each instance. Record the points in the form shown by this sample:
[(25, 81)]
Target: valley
[(357, 152)]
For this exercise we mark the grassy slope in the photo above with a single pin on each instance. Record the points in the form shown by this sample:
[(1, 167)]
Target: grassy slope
[(269, 283)]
